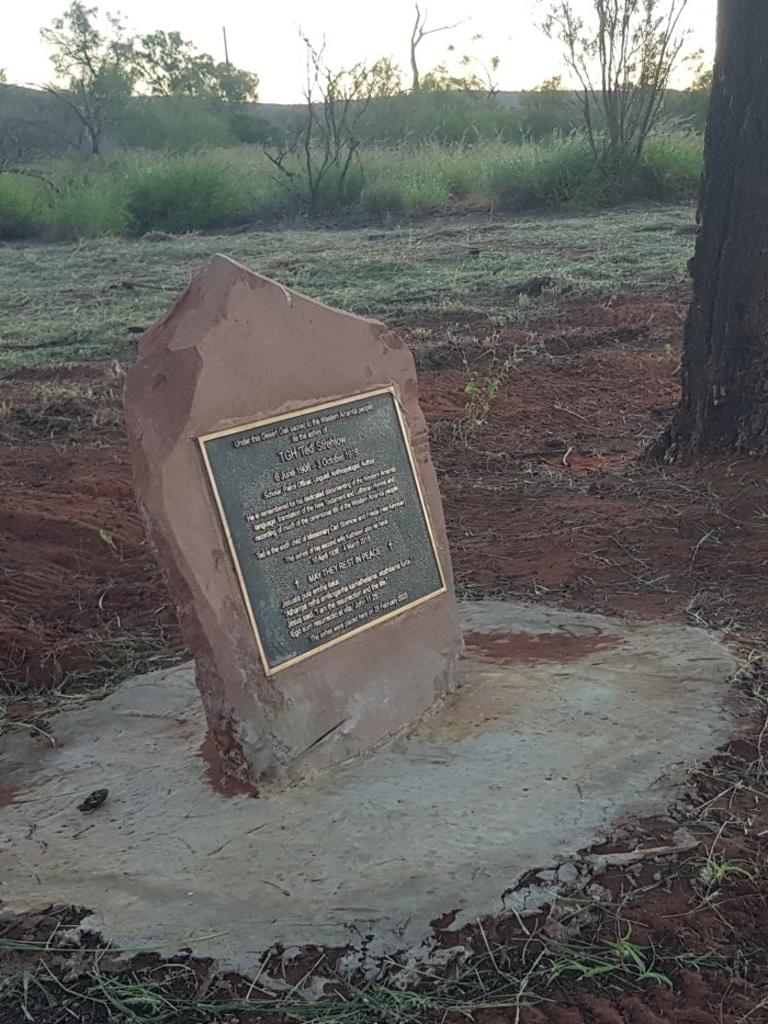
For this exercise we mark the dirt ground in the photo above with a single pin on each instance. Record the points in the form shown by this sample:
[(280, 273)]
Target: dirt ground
[(547, 498)]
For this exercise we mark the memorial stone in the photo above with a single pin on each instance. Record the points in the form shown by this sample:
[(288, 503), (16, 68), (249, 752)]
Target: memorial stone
[(282, 468)]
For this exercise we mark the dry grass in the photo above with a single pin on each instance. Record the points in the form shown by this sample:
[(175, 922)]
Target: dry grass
[(66, 303)]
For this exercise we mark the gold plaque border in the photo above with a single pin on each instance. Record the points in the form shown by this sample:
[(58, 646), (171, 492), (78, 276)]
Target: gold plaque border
[(269, 669)]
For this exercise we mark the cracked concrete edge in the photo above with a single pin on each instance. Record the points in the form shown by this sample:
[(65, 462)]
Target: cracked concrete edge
[(560, 887)]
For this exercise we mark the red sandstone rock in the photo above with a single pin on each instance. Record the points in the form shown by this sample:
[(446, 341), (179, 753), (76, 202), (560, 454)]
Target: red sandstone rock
[(234, 349)]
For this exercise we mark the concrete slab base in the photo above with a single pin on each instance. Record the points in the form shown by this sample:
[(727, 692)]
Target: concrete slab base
[(566, 725)]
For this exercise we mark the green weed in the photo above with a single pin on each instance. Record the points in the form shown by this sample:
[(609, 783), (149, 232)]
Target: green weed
[(166, 993), (483, 387), (622, 960), (496, 980), (718, 870)]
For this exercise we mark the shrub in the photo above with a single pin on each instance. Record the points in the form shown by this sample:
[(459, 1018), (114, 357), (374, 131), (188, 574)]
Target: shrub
[(249, 129), (381, 198), (87, 212), (672, 164), (330, 189), (426, 195), (181, 195), (20, 203), (341, 190)]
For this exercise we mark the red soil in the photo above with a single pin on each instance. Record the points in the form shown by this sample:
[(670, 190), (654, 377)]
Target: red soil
[(74, 561), (549, 501)]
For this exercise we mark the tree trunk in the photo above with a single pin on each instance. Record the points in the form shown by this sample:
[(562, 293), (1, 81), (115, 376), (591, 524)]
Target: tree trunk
[(415, 79), (724, 406)]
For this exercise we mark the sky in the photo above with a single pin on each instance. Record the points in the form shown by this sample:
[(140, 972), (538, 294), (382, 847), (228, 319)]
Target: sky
[(263, 36)]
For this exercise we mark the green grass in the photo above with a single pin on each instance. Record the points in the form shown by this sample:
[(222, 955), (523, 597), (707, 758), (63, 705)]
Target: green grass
[(620, 959), (20, 206), (178, 198), (90, 300), (130, 194)]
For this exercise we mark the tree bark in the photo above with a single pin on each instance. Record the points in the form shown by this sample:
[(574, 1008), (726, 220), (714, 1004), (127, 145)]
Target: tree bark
[(724, 406), (415, 79), (417, 35)]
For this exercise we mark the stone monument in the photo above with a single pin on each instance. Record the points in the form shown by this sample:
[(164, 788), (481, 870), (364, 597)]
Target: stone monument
[(282, 468)]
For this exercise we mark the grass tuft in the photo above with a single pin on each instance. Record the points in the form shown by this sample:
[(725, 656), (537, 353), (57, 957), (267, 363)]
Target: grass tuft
[(382, 198), (20, 207), (80, 211), (188, 194)]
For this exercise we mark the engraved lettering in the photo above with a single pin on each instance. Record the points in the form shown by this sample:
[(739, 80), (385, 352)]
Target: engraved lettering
[(326, 523)]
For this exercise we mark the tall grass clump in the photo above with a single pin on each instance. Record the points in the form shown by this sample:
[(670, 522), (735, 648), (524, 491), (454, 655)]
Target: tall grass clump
[(452, 168), (673, 164), (416, 181), (564, 173), (21, 203), (82, 212), (669, 170), (336, 191), (381, 198), (179, 194), (539, 174), (425, 194), (133, 193)]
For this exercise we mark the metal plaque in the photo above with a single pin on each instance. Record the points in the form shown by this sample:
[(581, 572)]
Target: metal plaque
[(325, 522)]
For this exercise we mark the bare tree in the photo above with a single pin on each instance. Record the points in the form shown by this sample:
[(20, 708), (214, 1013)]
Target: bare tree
[(315, 163), (419, 32), (622, 57)]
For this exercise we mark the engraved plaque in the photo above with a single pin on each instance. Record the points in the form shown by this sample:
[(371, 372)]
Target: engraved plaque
[(325, 522)]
